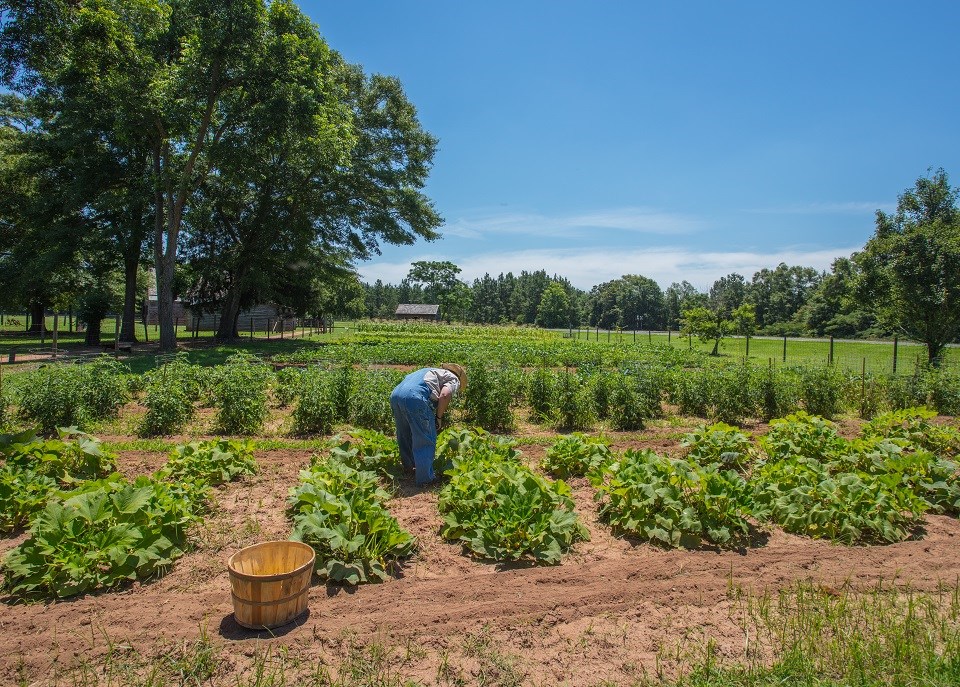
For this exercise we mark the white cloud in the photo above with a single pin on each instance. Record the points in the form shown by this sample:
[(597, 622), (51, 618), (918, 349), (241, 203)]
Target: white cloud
[(588, 267), (639, 220)]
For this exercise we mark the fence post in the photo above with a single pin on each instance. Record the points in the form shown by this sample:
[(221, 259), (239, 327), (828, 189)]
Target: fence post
[(668, 335), (747, 354), (690, 341), (268, 329), (251, 329), (116, 338), (895, 341), (784, 348), (863, 387), (43, 327), (831, 350)]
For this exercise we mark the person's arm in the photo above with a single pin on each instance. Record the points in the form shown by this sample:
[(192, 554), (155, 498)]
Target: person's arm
[(446, 393)]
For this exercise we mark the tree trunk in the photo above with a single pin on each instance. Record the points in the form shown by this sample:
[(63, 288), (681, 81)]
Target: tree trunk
[(92, 337), (227, 330), (37, 317), (935, 354), (168, 335), (716, 347), (128, 327)]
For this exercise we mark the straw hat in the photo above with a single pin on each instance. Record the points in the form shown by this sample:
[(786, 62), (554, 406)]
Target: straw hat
[(459, 371)]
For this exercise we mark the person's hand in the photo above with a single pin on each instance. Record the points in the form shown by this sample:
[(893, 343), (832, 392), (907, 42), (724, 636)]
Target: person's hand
[(439, 423)]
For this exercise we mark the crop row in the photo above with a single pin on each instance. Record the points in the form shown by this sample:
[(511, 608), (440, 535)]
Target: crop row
[(321, 397), (89, 527)]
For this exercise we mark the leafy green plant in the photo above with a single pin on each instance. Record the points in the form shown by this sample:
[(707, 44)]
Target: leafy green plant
[(822, 389), (339, 512), (802, 434), (367, 450), (315, 412), (673, 502), (541, 394), (72, 395), (287, 385), (629, 410), (370, 399), (802, 496), (35, 470), (732, 394), (102, 535), (502, 511), (574, 409), (241, 395), (489, 397), (22, 493), (212, 462), (170, 393), (720, 444), (777, 392), (945, 392), (914, 427), (576, 455), (691, 392)]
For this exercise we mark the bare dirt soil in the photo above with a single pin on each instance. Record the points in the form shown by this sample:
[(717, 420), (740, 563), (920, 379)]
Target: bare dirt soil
[(612, 611)]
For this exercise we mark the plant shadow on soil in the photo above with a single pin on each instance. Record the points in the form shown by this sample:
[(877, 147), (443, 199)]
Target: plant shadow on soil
[(232, 630), (756, 539)]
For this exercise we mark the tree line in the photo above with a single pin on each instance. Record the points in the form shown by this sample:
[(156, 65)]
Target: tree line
[(905, 281), (224, 145)]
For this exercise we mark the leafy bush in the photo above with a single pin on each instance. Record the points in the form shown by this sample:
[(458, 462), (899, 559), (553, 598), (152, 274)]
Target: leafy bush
[(732, 397), (541, 395), (170, 393), (822, 389), (104, 534), (71, 395), (315, 412), (574, 409), (576, 455), (339, 512), (673, 502), (601, 387), (489, 397), (691, 392), (628, 408), (210, 462), (370, 399), (777, 392), (945, 392), (367, 450), (720, 444), (241, 395), (913, 426), (287, 385), (908, 391), (802, 496), (23, 492), (498, 509)]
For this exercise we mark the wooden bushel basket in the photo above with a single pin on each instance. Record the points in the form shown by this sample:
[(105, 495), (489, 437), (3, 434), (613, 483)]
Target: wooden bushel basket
[(269, 583)]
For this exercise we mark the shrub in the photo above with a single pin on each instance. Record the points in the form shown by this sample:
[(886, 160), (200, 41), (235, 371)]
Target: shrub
[(541, 395), (315, 412), (777, 392), (908, 391), (241, 395), (72, 395), (575, 456), (370, 399), (574, 410), (945, 392), (691, 391), (287, 385), (488, 398), (720, 444), (673, 502), (822, 389), (170, 392), (732, 398), (628, 407)]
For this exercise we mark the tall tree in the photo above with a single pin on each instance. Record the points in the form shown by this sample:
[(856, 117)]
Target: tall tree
[(911, 265)]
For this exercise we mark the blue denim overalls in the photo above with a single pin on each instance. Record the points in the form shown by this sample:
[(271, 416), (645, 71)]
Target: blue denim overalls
[(414, 413)]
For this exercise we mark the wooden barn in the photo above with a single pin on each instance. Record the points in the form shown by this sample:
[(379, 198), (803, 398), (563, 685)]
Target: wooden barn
[(415, 311)]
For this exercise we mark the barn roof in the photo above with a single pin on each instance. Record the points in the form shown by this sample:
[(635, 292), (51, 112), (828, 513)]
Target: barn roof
[(417, 309)]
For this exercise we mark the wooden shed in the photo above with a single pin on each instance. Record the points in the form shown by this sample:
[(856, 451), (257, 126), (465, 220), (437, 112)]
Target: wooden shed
[(415, 311)]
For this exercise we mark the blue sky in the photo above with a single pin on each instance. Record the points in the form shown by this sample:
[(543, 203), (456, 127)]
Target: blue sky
[(674, 140)]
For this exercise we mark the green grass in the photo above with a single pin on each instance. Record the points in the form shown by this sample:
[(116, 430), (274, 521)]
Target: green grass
[(877, 356)]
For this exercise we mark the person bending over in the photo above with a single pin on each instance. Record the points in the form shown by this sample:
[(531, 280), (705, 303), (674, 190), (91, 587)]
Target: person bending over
[(418, 404)]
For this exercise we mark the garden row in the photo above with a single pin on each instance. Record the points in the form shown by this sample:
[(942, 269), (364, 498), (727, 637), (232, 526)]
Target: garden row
[(322, 396), (89, 530)]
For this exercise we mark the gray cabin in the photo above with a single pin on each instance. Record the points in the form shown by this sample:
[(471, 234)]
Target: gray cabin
[(414, 311)]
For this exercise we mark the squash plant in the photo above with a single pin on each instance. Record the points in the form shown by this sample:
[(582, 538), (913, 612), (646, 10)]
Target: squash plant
[(673, 503)]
